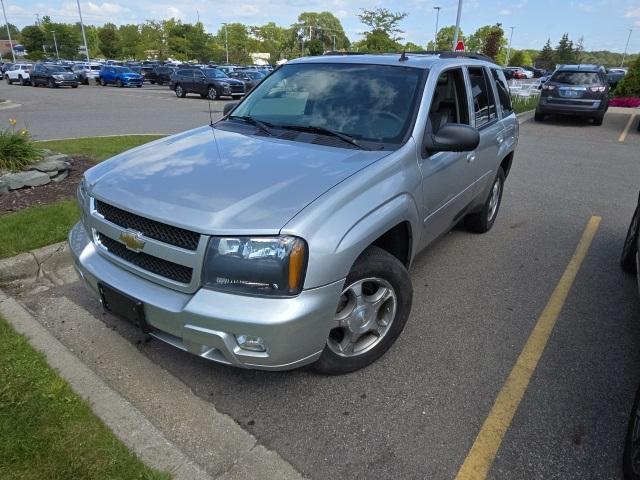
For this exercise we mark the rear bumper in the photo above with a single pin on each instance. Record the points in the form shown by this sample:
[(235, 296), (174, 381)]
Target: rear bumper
[(206, 323), (569, 107)]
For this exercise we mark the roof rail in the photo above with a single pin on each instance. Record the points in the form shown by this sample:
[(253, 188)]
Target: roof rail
[(450, 54), (343, 53)]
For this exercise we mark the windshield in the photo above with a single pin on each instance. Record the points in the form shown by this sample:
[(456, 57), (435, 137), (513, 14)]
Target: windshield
[(122, 70), (213, 73), (366, 102), (57, 69), (255, 75), (576, 78)]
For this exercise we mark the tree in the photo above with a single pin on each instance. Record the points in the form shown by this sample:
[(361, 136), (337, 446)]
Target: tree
[(565, 53), (382, 20), (493, 42), (130, 41), (321, 26), (33, 39), (109, 40), (546, 59), (279, 42), (477, 41), (517, 58), (629, 86), (444, 39), (412, 47), (15, 33), (378, 41)]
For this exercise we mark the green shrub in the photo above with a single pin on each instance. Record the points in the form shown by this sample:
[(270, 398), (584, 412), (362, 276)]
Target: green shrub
[(17, 149), (629, 86)]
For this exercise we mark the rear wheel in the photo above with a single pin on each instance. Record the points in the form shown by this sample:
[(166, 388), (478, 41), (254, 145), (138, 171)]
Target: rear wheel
[(482, 221), (630, 248), (372, 311), (180, 93), (598, 120), (21, 80), (9, 82)]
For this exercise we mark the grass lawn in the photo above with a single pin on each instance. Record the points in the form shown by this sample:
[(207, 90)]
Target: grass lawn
[(98, 148), (524, 105), (36, 227), (46, 431)]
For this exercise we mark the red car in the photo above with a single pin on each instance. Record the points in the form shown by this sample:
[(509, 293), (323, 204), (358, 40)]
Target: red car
[(516, 73)]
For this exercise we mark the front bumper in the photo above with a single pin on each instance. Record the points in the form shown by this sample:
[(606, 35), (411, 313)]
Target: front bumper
[(66, 83), (571, 107), (132, 81), (205, 323)]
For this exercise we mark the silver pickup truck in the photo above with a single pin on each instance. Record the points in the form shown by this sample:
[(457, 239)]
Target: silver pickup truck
[(282, 234)]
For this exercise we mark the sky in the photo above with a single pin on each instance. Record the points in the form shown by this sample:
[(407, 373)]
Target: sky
[(604, 24)]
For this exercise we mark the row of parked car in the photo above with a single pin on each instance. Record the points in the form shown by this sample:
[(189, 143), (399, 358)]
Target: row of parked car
[(207, 80)]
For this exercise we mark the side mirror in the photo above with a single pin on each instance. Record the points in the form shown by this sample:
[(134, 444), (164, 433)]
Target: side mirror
[(451, 137), (228, 107)]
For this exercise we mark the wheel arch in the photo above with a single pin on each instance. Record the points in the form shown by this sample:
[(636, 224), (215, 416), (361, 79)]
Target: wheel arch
[(506, 164)]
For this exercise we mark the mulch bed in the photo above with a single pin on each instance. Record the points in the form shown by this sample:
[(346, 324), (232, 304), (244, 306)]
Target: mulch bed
[(49, 193)]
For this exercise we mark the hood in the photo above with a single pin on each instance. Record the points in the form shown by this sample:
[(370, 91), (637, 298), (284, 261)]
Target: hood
[(220, 182), (130, 75), (231, 81)]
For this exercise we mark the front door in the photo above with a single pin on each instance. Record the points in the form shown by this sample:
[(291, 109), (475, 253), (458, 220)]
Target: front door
[(447, 177), (199, 82)]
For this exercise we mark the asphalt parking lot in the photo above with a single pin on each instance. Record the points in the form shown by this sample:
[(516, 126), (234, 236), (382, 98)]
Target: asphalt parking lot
[(415, 413)]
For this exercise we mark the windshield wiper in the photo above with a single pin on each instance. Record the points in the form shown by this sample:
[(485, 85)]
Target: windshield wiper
[(264, 126), (325, 131)]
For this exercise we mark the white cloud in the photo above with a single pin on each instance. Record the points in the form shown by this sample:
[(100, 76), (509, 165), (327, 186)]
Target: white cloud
[(505, 11), (248, 10), (105, 8), (633, 13), (15, 10), (174, 12)]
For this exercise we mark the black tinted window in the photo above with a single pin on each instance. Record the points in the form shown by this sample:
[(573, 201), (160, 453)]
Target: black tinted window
[(503, 92), (484, 104), (576, 78)]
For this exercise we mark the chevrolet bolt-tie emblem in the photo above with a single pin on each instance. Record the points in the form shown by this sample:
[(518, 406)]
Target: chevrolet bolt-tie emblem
[(132, 240)]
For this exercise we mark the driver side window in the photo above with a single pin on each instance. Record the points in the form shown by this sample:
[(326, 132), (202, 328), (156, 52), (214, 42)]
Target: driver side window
[(449, 103)]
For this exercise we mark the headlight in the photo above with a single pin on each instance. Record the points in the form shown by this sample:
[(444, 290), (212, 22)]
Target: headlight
[(224, 84), (82, 196), (269, 266), (58, 77)]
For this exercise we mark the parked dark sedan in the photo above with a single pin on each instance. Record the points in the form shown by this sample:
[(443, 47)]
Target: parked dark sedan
[(208, 82), (251, 78), (53, 76), (160, 75)]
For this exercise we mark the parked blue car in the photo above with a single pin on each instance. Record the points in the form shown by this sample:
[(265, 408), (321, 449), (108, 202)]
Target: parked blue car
[(120, 76)]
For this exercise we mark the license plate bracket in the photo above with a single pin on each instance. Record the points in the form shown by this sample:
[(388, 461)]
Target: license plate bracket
[(123, 306)]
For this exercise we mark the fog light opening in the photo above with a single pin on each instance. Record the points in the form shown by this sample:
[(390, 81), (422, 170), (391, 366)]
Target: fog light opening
[(251, 343)]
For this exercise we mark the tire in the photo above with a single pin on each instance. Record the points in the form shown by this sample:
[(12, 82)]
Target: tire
[(119, 83), (379, 269), (597, 121), (85, 81), (138, 86), (21, 80), (9, 82), (180, 93), (51, 83), (152, 82), (74, 86), (482, 221), (539, 117), (212, 93), (631, 444), (630, 248)]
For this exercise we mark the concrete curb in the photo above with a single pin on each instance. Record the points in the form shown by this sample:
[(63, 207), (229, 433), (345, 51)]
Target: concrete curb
[(126, 422), (9, 105), (107, 136), (525, 116), (52, 263)]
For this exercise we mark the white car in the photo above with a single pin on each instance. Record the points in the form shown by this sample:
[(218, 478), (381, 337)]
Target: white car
[(18, 73), (86, 72)]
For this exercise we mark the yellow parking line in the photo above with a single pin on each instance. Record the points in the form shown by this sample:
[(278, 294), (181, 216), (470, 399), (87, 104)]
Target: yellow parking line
[(479, 459), (624, 133)]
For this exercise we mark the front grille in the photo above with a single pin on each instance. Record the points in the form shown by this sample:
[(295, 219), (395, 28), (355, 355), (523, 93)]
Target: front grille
[(164, 268), (178, 237), (237, 88)]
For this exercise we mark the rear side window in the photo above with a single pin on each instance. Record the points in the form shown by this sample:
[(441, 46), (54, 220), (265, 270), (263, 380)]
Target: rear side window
[(576, 78), (503, 92), (484, 103)]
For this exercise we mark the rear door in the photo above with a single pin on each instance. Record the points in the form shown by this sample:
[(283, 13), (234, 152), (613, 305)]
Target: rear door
[(487, 122), (447, 177)]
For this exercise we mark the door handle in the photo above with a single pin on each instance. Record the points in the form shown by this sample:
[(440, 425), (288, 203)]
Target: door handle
[(471, 157)]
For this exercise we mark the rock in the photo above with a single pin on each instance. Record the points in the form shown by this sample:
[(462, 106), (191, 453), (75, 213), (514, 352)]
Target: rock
[(50, 164), (4, 187), (26, 179), (59, 156), (60, 176), (47, 153)]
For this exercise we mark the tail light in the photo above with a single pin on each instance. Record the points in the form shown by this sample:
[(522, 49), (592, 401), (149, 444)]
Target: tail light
[(598, 89), (548, 87)]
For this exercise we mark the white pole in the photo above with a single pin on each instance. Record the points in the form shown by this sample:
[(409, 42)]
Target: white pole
[(84, 37), (226, 42), (435, 38), (457, 31), (13, 54), (626, 47), (509, 49), (334, 43), (55, 43)]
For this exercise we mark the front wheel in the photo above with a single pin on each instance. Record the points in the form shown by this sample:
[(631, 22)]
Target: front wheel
[(631, 456), (372, 311), (212, 93), (51, 83), (180, 93), (21, 80), (630, 248), (482, 221)]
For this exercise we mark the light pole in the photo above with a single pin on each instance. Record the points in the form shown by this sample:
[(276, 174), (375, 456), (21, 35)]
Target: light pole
[(84, 37), (226, 42), (55, 43), (13, 54), (509, 49), (334, 42), (457, 31), (626, 47), (435, 38)]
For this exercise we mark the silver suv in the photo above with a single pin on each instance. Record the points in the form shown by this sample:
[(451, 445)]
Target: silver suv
[(282, 234)]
